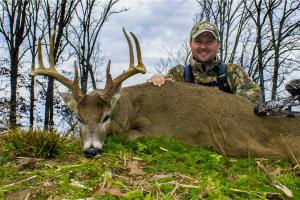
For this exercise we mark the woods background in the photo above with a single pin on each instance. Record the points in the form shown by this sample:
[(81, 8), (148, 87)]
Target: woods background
[(262, 36)]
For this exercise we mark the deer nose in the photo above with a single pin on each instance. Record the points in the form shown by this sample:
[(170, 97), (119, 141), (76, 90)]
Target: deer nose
[(91, 152)]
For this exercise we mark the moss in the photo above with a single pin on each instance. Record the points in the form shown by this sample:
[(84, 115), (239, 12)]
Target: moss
[(165, 163)]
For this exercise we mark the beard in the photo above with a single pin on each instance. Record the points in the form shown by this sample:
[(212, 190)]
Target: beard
[(205, 56)]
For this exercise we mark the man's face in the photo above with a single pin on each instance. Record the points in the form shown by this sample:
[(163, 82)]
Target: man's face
[(205, 47)]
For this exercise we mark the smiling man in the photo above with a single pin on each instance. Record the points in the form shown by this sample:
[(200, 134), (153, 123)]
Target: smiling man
[(205, 68)]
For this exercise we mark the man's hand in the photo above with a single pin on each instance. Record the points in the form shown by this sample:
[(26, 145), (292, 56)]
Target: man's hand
[(157, 80)]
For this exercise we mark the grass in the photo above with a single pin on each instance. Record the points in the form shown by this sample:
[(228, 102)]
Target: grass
[(153, 168)]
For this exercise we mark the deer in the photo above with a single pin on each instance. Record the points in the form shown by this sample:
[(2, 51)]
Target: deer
[(194, 114)]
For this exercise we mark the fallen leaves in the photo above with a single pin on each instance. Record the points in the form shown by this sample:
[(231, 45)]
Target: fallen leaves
[(47, 184), (107, 188), (134, 168), (17, 195), (25, 163)]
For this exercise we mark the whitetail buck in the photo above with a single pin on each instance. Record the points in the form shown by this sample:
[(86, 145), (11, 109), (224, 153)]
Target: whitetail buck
[(197, 115)]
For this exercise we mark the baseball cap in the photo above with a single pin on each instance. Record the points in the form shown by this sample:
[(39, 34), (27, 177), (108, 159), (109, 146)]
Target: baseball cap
[(204, 26)]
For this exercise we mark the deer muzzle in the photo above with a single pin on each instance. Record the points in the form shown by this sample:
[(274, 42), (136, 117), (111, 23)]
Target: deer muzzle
[(93, 138), (91, 152)]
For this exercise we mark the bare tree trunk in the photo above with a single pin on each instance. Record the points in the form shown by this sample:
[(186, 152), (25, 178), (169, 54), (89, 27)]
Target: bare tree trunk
[(283, 35), (58, 19), (86, 36), (32, 38), (13, 88), (259, 20), (228, 15), (32, 99), (259, 52), (14, 34)]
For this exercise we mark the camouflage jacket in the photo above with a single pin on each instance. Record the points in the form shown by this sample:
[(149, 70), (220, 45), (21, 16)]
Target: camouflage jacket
[(239, 82)]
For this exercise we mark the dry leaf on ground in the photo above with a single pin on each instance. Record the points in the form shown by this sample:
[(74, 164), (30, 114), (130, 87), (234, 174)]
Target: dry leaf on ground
[(134, 168), (17, 195), (26, 163), (106, 188), (55, 198)]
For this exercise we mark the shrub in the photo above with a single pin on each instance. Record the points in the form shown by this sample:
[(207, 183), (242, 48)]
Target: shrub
[(36, 143)]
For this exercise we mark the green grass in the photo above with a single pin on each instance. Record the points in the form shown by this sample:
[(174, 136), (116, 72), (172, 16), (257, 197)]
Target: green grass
[(172, 170)]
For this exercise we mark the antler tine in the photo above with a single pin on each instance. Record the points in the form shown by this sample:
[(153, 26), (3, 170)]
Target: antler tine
[(132, 70), (131, 56), (108, 76), (73, 86), (141, 67)]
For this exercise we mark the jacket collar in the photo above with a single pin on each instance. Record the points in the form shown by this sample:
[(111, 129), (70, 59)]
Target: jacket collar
[(198, 66)]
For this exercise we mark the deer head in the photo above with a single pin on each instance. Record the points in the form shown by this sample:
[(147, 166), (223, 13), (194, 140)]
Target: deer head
[(93, 109)]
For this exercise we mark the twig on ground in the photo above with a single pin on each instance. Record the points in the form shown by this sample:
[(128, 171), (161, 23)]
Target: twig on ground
[(204, 194), (25, 180), (247, 192), (124, 158), (175, 188), (185, 176), (274, 182), (67, 167), (27, 196), (51, 179), (296, 167), (179, 184), (161, 148), (121, 177)]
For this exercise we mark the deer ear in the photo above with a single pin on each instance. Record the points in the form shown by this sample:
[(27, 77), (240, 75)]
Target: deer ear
[(69, 100), (116, 96)]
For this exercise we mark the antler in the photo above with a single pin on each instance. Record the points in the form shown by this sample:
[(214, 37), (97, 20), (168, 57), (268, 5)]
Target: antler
[(111, 85), (73, 86)]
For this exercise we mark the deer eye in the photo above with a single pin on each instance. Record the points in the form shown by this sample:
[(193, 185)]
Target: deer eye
[(105, 118)]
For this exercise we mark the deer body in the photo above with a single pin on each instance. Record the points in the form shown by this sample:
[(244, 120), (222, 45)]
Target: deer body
[(204, 116), (197, 115)]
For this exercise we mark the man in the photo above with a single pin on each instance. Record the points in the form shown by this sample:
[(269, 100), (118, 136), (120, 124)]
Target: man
[(205, 68)]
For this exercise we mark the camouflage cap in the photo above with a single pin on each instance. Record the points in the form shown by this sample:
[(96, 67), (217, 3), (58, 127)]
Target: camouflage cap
[(204, 26)]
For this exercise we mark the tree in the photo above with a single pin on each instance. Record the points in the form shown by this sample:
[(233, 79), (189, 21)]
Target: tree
[(14, 32), (86, 33), (34, 9), (58, 17), (231, 17), (259, 16), (4, 100), (284, 27)]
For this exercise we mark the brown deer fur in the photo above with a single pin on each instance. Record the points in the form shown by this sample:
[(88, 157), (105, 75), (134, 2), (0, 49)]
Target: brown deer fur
[(205, 116)]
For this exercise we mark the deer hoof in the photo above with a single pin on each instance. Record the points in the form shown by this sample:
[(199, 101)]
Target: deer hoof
[(91, 152)]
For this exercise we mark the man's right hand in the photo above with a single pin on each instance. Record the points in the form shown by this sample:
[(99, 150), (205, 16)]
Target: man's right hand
[(157, 80)]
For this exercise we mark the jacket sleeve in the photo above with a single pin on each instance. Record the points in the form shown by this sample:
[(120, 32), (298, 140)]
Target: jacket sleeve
[(176, 73), (241, 84)]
